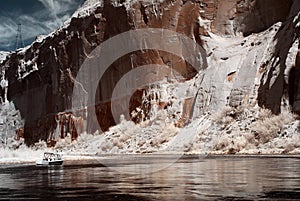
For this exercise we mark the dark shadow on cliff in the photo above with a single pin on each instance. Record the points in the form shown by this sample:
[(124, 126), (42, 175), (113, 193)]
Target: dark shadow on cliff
[(270, 96), (293, 86), (264, 14)]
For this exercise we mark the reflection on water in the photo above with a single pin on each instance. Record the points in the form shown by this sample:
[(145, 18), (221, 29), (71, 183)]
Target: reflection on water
[(191, 178)]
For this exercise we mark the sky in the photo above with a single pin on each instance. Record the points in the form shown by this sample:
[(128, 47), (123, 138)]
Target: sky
[(37, 17)]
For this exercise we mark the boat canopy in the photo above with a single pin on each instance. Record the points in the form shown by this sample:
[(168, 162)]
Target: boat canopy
[(48, 155)]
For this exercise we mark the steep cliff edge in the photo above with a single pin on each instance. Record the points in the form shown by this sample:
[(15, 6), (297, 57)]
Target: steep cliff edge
[(251, 48)]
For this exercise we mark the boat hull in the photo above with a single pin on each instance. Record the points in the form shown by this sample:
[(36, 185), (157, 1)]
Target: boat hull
[(43, 162)]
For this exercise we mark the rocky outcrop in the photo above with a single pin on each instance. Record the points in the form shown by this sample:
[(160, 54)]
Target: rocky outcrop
[(10, 121), (42, 77), (235, 17), (3, 55)]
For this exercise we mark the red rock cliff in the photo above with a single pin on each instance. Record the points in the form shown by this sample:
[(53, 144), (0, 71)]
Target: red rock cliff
[(41, 77)]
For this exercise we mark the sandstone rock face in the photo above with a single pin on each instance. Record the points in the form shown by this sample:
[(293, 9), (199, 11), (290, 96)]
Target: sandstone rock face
[(235, 17), (241, 67)]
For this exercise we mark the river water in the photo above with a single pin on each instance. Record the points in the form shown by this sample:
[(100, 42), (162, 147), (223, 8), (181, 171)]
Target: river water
[(190, 178)]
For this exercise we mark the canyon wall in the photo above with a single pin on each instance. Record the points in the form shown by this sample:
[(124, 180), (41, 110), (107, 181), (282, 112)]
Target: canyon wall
[(41, 77)]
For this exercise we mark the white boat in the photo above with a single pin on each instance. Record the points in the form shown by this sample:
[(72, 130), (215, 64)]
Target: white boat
[(51, 159)]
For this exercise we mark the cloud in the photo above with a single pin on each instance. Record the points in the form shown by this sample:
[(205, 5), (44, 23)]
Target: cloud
[(58, 6), (52, 14)]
